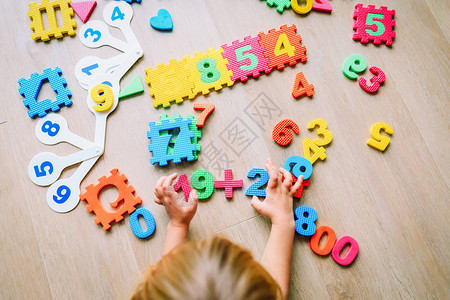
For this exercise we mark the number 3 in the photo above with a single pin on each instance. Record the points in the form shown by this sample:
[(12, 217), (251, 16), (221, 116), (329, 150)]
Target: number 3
[(92, 32)]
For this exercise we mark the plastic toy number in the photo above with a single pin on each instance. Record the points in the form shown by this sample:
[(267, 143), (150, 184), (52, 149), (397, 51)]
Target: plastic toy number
[(93, 33), (329, 244), (354, 64), (310, 147), (257, 189), (306, 218), (183, 183), (103, 95), (379, 77), (249, 57), (299, 165), (301, 10), (351, 254), (149, 221), (50, 128), (378, 141), (281, 133), (203, 182), (321, 131), (62, 194), (371, 21)]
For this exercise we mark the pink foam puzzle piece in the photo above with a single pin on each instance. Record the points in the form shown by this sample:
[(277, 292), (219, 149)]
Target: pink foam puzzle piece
[(228, 184), (183, 183), (83, 9)]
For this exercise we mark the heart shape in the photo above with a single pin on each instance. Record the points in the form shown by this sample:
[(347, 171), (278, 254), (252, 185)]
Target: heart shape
[(163, 21)]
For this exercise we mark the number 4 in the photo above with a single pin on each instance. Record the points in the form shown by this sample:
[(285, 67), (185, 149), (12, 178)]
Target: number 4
[(117, 14), (306, 88)]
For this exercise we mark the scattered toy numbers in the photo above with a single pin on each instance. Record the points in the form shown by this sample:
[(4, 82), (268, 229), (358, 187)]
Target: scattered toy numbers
[(375, 80), (373, 24), (256, 189), (103, 95), (300, 166), (149, 221), (183, 183), (206, 109), (228, 184), (301, 86), (203, 182), (354, 64), (378, 141), (281, 133)]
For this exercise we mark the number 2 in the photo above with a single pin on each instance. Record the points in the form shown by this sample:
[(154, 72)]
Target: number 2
[(117, 14), (256, 188)]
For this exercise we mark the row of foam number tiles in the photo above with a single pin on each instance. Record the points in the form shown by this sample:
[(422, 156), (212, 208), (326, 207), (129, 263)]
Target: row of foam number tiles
[(218, 67)]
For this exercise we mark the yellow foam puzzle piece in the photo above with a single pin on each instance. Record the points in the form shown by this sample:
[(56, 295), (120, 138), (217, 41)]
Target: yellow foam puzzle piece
[(379, 141)]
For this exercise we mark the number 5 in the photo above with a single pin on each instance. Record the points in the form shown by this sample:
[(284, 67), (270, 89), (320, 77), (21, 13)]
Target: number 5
[(241, 57), (371, 21), (41, 172)]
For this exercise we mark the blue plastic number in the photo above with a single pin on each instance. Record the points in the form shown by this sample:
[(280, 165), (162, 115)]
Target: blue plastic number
[(256, 188), (149, 220), (92, 32), (88, 69), (117, 14), (306, 216), (63, 192), (50, 128), (301, 166), (41, 172)]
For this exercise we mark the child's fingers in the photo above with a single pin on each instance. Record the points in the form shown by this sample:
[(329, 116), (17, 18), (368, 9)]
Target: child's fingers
[(160, 181), (273, 175), (256, 204), (287, 178), (297, 185), (168, 181), (194, 197)]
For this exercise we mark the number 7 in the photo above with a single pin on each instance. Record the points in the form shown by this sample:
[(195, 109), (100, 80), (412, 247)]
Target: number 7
[(207, 109)]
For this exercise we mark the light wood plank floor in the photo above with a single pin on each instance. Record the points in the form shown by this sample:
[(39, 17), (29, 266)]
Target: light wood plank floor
[(395, 203)]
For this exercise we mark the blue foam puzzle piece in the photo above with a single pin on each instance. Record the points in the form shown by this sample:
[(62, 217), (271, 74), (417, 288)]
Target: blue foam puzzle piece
[(305, 216), (162, 21), (29, 89), (149, 220), (255, 189), (302, 166)]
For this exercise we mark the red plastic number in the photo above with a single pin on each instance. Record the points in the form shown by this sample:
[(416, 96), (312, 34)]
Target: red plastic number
[(305, 88), (376, 80), (322, 5), (206, 108), (183, 183), (281, 133)]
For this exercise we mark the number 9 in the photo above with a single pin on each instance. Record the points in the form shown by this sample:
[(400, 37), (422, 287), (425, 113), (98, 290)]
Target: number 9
[(103, 95), (203, 182)]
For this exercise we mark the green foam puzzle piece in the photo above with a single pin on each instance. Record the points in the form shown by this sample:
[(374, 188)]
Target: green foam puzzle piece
[(133, 87)]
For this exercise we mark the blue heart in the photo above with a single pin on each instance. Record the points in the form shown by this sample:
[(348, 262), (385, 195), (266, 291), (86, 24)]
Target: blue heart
[(163, 21)]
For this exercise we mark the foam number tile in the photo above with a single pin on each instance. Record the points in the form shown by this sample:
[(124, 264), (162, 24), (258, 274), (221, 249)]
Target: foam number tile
[(310, 147), (322, 131), (208, 71), (299, 166), (280, 4), (183, 183), (306, 218), (126, 199), (203, 182), (257, 189), (246, 58), (103, 95), (354, 64), (283, 46), (301, 10), (50, 7), (281, 133), (96, 34), (206, 109), (351, 253), (322, 5), (372, 24), (378, 141), (302, 87), (228, 184), (169, 83), (376, 80), (329, 244), (29, 89), (149, 221)]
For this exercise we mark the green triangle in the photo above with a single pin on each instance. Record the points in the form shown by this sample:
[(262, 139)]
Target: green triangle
[(133, 87)]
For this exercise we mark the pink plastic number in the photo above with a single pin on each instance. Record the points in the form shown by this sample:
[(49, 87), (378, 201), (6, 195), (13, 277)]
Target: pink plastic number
[(183, 183), (376, 80), (322, 5), (351, 254)]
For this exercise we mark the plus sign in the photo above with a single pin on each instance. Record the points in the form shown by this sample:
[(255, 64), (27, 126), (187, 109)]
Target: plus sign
[(228, 184)]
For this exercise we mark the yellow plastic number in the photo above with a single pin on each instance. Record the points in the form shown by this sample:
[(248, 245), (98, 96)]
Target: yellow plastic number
[(310, 147), (321, 131), (284, 46), (302, 9), (378, 141), (103, 95)]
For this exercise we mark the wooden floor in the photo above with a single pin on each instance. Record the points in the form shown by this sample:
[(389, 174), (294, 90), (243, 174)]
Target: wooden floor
[(394, 203)]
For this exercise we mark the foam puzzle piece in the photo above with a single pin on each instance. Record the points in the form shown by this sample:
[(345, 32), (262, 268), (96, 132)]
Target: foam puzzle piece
[(37, 24), (246, 58), (327, 136), (183, 183), (351, 253), (379, 141), (208, 71), (374, 24), (301, 10), (29, 88), (256, 188), (280, 4), (305, 183), (206, 108), (183, 148), (300, 166), (283, 46), (126, 199), (162, 21), (281, 133), (318, 152), (228, 184), (331, 240), (306, 218), (204, 187), (376, 80), (83, 9), (322, 5), (354, 64), (132, 88), (302, 87), (149, 221), (169, 83)]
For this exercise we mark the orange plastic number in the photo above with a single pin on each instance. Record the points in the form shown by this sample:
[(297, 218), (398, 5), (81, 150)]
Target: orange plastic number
[(302, 9), (318, 152), (321, 131), (302, 87), (378, 141), (281, 133), (331, 240), (207, 109), (103, 95)]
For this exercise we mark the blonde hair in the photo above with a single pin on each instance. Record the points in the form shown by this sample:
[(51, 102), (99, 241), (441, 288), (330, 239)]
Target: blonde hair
[(212, 269)]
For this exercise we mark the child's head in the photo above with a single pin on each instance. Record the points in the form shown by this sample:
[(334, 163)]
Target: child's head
[(212, 269)]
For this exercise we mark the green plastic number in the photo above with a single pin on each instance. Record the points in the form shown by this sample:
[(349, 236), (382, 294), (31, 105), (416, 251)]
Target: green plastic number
[(354, 64), (240, 56), (207, 67), (203, 182), (371, 21)]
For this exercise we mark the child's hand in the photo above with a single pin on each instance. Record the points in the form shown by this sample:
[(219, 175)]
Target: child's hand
[(179, 215), (278, 205)]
